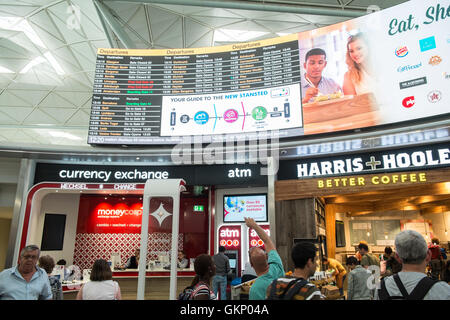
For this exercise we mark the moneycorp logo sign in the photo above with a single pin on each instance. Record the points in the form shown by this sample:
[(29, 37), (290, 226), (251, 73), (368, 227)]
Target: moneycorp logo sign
[(117, 213)]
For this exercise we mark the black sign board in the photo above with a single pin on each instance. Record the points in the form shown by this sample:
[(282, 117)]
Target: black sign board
[(246, 174), (405, 159)]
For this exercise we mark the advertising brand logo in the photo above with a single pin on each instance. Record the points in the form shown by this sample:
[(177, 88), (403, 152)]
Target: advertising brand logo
[(230, 115), (435, 60), (434, 96), (401, 51), (408, 102), (201, 117), (413, 83), (427, 44), (409, 67)]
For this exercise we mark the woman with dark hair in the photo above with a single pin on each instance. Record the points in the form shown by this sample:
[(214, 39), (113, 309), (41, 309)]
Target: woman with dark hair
[(47, 263), (205, 269), (358, 79), (101, 286)]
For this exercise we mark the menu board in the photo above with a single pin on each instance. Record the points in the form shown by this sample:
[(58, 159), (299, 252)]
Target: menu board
[(375, 232), (386, 67), (151, 96)]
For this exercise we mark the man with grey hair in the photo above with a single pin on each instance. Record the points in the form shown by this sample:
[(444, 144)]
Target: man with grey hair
[(412, 283), (26, 281)]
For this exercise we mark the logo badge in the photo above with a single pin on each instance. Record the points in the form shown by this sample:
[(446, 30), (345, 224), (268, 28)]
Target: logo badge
[(413, 83), (401, 51), (435, 60), (259, 113), (201, 117), (230, 115), (408, 102), (427, 44), (409, 67), (434, 96)]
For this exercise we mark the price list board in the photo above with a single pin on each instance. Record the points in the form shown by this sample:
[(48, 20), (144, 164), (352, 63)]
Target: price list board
[(160, 96)]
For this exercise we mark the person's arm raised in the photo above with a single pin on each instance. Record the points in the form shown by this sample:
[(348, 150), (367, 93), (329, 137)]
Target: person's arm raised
[(261, 233)]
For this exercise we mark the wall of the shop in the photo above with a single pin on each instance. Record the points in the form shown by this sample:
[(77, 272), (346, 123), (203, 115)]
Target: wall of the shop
[(9, 174), (436, 221), (57, 203), (5, 225)]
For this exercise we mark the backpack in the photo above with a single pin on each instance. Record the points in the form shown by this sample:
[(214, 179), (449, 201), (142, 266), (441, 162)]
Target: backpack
[(186, 294), (290, 291), (418, 293)]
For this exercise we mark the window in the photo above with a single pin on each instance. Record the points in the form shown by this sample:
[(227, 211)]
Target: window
[(340, 234), (53, 233)]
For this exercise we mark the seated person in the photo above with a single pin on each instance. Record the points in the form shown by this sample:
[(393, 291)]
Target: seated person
[(182, 260), (133, 261), (315, 83)]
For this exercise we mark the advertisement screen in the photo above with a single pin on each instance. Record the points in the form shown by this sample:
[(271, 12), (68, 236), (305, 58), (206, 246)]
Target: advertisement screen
[(236, 207), (382, 68)]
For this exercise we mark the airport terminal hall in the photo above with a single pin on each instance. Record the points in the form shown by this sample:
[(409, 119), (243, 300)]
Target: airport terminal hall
[(236, 151)]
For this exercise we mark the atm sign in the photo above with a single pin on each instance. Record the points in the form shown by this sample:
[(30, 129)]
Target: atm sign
[(230, 236)]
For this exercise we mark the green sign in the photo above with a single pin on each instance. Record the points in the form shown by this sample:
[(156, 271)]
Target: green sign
[(199, 208)]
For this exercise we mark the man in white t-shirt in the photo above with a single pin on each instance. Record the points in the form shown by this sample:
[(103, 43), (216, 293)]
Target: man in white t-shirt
[(413, 252)]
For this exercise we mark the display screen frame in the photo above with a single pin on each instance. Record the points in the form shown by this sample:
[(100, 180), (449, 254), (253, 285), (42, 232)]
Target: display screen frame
[(225, 221)]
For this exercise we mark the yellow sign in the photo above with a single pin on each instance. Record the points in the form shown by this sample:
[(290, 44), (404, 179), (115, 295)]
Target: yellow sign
[(400, 178)]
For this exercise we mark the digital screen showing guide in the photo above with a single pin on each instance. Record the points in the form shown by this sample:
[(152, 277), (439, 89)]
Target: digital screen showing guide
[(382, 68), (160, 96)]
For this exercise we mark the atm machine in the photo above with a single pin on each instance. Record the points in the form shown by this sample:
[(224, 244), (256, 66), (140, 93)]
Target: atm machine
[(233, 233), (233, 256)]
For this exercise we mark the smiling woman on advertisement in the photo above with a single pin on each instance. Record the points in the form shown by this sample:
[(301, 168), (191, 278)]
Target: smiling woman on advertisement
[(358, 79)]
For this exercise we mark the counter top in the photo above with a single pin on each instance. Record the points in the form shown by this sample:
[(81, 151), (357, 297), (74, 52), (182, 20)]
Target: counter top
[(130, 274)]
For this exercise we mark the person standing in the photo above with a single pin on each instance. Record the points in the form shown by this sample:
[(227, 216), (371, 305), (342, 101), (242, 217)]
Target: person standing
[(297, 286), (204, 270), (47, 263), (268, 266), (101, 286), (357, 288), (367, 258), (436, 259), (412, 282), (26, 281), (219, 281), (339, 271)]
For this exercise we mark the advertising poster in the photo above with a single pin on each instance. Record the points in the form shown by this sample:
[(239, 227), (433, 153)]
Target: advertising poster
[(382, 68), (237, 207)]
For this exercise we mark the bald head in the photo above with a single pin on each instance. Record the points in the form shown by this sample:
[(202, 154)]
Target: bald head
[(258, 260)]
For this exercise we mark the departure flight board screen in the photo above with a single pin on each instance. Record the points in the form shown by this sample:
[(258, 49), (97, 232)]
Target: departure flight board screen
[(386, 67), (160, 96)]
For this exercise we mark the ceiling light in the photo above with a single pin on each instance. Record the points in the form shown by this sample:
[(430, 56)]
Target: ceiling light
[(54, 63), (36, 61), (5, 70), (230, 35), (66, 135), (21, 24)]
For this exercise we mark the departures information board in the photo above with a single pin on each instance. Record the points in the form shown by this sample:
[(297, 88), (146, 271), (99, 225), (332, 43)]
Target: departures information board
[(160, 96)]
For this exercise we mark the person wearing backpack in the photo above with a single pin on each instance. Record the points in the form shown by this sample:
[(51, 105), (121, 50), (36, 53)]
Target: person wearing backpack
[(200, 288), (297, 286), (412, 283)]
